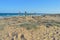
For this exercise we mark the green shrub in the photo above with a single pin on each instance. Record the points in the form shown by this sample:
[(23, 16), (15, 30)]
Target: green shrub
[(1, 27), (28, 25)]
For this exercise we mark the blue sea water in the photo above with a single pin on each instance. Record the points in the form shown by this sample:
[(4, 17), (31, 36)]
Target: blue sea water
[(11, 14), (3, 15)]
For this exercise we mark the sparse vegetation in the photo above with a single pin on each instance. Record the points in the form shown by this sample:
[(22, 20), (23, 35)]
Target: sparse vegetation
[(21, 29), (1, 27), (28, 25)]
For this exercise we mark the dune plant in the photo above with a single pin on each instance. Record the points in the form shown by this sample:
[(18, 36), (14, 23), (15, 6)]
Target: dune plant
[(2, 27), (28, 25)]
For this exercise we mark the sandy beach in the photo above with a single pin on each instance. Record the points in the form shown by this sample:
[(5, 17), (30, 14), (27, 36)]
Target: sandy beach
[(30, 28)]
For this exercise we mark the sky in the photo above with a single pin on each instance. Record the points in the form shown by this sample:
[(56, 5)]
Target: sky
[(31, 6)]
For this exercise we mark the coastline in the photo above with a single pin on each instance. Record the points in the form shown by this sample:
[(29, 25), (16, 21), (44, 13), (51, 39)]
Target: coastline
[(32, 27)]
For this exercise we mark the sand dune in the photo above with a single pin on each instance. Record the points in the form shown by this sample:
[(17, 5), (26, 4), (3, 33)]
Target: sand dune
[(30, 28)]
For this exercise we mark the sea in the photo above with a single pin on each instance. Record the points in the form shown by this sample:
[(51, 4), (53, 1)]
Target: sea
[(4, 15)]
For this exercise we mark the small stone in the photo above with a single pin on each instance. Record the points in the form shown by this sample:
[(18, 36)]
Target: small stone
[(12, 39), (57, 32), (53, 38), (22, 37)]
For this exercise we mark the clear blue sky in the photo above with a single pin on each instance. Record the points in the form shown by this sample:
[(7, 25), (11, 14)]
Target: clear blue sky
[(38, 6)]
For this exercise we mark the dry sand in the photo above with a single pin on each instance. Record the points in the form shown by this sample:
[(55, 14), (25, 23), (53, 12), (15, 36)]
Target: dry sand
[(30, 28)]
